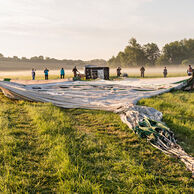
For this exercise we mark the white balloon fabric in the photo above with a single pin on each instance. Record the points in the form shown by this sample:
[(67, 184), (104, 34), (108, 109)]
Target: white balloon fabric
[(99, 94)]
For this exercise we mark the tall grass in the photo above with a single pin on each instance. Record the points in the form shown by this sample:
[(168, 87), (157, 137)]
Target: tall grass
[(47, 149)]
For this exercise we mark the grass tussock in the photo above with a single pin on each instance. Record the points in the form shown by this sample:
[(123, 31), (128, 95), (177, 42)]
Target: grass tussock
[(47, 149)]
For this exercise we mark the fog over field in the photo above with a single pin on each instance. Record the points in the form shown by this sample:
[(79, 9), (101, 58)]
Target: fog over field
[(153, 71), (132, 72)]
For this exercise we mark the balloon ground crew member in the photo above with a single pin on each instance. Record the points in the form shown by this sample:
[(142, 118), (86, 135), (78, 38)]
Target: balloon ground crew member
[(189, 71), (46, 73), (33, 73), (62, 73), (118, 72), (165, 72), (142, 70), (75, 71)]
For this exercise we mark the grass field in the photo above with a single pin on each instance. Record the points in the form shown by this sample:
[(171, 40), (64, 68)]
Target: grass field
[(44, 148), (178, 112), (151, 72)]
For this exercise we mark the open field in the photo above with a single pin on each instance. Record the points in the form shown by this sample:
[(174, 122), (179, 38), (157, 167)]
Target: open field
[(153, 72), (49, 149), (26, 75), (132, 72)]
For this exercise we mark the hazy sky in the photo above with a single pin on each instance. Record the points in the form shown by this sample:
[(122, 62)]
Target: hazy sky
[(88, 29)]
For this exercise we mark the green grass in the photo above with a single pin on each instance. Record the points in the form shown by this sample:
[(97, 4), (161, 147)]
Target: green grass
[(152, 75), (47, 149), (38, 77), (178, 113)]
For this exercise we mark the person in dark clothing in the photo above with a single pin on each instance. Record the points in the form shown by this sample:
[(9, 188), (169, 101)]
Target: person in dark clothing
[(33, 74), (165, 72), (75, 71), (189, 71), (118, 72), (62, 72), (142, 70), (46, 73)]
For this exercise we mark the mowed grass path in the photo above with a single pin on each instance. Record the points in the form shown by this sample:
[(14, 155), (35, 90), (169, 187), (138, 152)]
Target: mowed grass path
[(47, 149)]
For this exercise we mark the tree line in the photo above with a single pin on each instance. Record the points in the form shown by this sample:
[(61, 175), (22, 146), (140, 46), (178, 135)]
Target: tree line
[(134, 54), (174, 53), (41, 59)]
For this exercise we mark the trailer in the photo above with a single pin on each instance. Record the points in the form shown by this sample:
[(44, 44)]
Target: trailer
[(94, 72)]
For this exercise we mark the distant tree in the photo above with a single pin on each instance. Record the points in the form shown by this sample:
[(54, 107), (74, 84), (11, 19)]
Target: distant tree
[(1, 55), (133, 55), (121, 59), (172, 53), (47, 58), (178, 51), (15, 58), (35, 58), (189, 44), (152, 53), (41, 58), (112, 60), (162, 60), (175, 52), (24, 59)]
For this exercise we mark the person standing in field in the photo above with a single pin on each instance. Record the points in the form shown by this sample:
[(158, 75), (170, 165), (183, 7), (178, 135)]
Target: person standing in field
[(33, 74), (46, 73), (118, 72), (142, 70), (62, 72), (75, 71), (189, 71), (165, 72)]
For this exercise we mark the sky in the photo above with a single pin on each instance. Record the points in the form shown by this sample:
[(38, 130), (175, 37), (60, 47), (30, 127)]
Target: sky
[(90, 29)]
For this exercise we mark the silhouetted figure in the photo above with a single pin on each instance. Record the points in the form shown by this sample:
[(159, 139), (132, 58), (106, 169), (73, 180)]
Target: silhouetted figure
[(62, 73), (165, 72), (46, 73), (189, 71), (142, 70), (33, 74), (75, 71), (118, 72)]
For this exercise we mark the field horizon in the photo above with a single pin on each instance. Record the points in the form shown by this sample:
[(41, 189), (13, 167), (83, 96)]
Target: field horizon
[(151, 72)]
